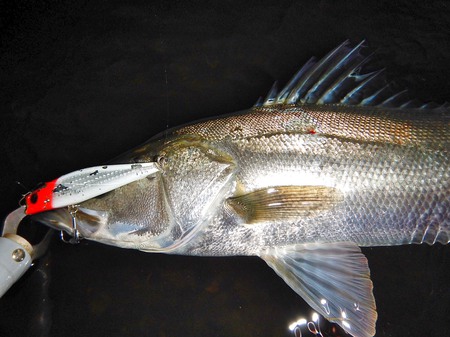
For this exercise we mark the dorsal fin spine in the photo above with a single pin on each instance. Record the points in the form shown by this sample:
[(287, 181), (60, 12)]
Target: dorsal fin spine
[(293, 82), (396, 100), (315, 72), (351, 99), (377, 97), (259, 102), (346, 61), (272, 95), (411, 104), (430, 105), (346, 80)]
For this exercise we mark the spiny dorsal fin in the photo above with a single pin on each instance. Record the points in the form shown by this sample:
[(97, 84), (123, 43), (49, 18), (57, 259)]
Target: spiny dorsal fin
[(338, 78)]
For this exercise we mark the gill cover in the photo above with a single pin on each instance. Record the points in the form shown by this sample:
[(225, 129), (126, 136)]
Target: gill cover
[(196, 177)]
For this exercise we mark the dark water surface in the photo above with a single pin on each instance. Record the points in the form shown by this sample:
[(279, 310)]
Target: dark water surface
[(83, 83)]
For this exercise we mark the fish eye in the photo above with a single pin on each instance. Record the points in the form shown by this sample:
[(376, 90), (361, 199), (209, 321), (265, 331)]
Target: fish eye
[(34, 198), (160, 159)]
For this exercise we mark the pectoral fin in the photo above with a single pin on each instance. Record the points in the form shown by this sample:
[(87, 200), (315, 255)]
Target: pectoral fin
[(333, 278), (282, 202)]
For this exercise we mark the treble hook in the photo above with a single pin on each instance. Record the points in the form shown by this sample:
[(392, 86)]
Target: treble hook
[(75, 239)]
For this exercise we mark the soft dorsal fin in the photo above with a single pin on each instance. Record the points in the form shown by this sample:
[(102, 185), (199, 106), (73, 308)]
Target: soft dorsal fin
[(338, 78)]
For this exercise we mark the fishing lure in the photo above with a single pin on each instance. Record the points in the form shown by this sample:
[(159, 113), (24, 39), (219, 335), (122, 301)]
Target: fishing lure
[(84, 184)]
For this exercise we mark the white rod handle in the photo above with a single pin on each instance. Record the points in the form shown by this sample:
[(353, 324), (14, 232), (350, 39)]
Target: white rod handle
[(15, 260)]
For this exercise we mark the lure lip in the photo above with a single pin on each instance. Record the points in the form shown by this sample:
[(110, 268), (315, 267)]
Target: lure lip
[(9, 230), (13, 220)]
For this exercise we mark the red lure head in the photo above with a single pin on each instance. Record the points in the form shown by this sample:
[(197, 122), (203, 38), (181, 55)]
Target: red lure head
[(40, 199)]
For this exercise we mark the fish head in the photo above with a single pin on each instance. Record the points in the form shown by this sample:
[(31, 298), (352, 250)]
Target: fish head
[(159, 212)]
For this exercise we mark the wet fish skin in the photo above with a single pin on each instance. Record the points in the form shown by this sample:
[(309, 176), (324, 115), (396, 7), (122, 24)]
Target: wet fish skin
[(392, 167), (298, 183)]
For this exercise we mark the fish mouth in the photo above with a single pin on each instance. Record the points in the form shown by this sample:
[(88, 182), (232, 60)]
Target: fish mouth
[(77, 222), (84, 220), (58, 219)]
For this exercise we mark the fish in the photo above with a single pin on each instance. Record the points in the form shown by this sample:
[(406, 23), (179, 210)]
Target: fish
[(334, 161)]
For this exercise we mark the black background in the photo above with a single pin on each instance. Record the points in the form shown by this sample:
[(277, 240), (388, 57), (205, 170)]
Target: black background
[(82, 82)]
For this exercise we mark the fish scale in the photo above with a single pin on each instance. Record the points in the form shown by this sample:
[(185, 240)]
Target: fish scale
[(365, 208)]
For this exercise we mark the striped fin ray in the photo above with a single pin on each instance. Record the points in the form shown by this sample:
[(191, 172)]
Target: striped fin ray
[(434, 232)]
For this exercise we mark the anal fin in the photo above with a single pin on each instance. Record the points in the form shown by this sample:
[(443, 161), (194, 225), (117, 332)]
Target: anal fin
[(333, 278)]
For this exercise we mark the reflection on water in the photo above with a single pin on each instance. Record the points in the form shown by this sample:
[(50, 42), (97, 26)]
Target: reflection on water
[(314, 326)]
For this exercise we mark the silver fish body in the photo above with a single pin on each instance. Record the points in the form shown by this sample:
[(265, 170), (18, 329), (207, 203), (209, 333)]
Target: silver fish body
[(388, 172), (301, 185)]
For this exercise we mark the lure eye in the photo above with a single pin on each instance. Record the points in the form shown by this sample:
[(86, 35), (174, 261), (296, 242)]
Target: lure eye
[(37, 200), (34, 198)]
